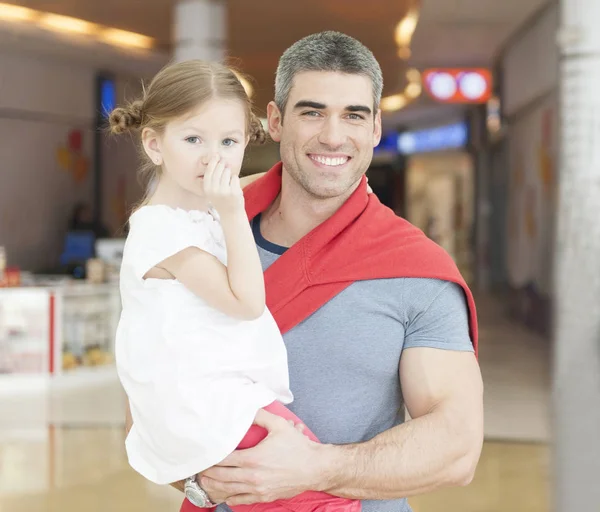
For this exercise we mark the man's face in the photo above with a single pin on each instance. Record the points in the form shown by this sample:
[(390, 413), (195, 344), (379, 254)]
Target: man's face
[(328, 131)]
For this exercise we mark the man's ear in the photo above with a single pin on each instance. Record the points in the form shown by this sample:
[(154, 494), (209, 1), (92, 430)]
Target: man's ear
[(275, 121), (377, 129)]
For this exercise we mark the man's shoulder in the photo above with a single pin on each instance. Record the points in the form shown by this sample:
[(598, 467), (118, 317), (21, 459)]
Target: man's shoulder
[(412, 290)]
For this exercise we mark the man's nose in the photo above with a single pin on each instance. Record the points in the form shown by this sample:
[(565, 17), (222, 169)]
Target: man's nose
[(332, 134)]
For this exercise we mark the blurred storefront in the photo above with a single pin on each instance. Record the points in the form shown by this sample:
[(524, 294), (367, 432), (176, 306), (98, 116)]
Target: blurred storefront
[(427, 176), (523, 168)]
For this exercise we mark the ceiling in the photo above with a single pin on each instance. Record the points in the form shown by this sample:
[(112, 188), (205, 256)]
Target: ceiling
[(460, 33), (259, 30), (467, 32), (449, 33)]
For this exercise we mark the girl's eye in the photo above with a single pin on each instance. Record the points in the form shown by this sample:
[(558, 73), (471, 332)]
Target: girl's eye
[(193, 140), (229, 142)]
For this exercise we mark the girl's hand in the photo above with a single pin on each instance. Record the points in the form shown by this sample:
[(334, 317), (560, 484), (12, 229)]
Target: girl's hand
[(222, 188)]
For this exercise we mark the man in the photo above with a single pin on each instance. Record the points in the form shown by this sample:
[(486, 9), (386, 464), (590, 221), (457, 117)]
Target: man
[(376, 345)]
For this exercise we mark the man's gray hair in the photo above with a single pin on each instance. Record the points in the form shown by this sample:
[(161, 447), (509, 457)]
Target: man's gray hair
[(327, 51)]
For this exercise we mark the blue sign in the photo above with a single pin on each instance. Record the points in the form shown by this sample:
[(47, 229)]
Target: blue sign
[(389, 142), (108, 96), (451, 136)]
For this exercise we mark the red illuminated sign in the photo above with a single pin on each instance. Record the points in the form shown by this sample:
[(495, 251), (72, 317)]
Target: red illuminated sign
[(469, 85)]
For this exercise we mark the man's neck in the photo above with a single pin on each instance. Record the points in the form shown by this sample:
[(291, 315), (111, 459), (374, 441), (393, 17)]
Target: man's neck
[(295, 213)]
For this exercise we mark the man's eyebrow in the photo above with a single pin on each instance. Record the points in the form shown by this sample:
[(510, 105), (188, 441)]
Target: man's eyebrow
[(321, 106), (310, 104), (358, 108)]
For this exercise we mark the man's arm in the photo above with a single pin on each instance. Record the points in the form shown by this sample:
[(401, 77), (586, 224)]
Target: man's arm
[(128, 424), (439, 447)]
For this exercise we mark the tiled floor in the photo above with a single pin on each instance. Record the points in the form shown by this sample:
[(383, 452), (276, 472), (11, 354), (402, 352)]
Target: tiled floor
[(63, 452), (515, 364), (77, 470)]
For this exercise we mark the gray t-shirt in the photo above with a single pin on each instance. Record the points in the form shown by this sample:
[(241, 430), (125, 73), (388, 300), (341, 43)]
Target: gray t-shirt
[(344, 358)]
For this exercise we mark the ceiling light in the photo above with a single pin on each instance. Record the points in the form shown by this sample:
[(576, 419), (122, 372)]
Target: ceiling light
[(63, 24), (413, 90), (67, 24), (406, 28), (413, 75), (16, 12), (395, 102), (127, 39), (404, 53)]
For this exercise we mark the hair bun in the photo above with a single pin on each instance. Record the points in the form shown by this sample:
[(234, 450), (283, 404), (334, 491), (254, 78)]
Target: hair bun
[(258, 135), (125, 119)]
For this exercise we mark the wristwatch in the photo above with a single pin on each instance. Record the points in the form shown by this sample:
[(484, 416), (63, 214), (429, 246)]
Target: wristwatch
[(196, 495)]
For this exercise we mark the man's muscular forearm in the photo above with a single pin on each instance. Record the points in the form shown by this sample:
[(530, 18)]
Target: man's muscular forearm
[(128, 424), (413, 458)]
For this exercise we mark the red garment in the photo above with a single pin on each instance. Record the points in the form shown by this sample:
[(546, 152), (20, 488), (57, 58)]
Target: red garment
[(310, 501), (362, 240)]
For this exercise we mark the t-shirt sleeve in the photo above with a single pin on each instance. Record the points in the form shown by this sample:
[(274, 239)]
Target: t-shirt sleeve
[(157, 233), (439, 319)]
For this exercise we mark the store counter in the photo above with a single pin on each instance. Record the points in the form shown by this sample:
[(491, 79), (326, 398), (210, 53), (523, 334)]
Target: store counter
[(57, 333)]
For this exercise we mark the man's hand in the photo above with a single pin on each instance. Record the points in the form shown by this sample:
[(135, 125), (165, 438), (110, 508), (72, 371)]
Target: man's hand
[(283, 465)]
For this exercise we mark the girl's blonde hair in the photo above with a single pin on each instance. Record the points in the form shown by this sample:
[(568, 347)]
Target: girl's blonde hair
[(175, 91)]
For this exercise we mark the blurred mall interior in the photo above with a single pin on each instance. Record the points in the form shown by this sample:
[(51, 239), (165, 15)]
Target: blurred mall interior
[(489, 147)]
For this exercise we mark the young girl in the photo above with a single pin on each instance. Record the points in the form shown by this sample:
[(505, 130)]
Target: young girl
[(197, 352)]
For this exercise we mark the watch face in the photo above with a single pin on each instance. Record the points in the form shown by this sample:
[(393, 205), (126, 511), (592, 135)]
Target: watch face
[(195, 496)]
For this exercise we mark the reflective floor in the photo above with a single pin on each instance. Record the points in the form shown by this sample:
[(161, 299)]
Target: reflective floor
[(62, 451), (84, 469)]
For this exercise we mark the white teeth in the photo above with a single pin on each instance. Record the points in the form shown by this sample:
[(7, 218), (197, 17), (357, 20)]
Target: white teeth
[(333, 162)]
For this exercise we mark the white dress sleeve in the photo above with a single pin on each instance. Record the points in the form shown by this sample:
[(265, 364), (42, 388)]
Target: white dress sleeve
[(159, 232)]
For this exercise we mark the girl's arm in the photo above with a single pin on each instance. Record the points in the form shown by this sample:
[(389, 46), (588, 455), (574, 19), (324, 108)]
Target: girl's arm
[(236, 289)]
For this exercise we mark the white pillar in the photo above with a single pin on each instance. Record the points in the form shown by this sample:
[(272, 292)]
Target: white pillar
[(577, 265), (200, 30)]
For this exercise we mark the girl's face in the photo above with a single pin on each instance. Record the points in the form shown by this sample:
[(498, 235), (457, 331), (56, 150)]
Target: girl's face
[(217, 127)]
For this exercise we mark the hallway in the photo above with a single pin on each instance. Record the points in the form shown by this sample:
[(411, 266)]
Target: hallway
[(63, 452)]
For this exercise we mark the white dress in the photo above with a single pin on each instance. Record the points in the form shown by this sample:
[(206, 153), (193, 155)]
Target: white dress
[(195, 377)]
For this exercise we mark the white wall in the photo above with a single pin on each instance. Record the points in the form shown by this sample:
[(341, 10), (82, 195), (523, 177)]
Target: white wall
[(530, 102), (40, 102), (530, 64), (47, 88), (43, 96), (533, 181)]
